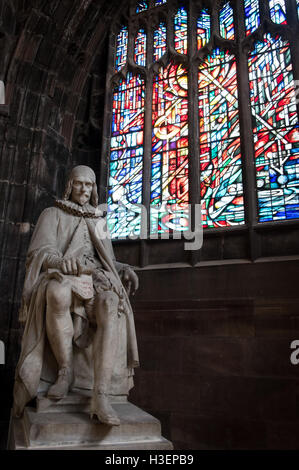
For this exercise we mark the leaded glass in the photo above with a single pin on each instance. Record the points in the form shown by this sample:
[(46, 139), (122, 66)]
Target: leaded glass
[(275, 129), (141, 6), (121, 48), (252, 16), (219, 142), (169, 170), (203, 28), (226, 22), (159, 2), (140, 48), (180, 31), (126, 157), (298, 8), (278, 11), (159, 41)]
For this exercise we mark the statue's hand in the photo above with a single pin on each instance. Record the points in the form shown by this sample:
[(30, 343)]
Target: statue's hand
[(72, 266), (130, 280)]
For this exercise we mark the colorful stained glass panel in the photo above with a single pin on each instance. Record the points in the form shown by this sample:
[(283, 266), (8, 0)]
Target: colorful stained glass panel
[(159, 2), (275, 129), (219, 142), (169, 170), (226, 22), (252, 16), (181, 31), (298, 8), (126, 158), (121, 48), (140, 48), (141, 6), (159, 41), (203, 28), (278, 11)]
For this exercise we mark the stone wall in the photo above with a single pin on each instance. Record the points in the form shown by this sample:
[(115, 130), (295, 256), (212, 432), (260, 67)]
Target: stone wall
[(215, 352)]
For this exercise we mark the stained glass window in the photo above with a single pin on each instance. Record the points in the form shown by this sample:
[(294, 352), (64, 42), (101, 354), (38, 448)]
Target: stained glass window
[(141, 6), (169, 172), (275, 128), (121, 48), (298, 7), (140, 48), (159, 41), (180, 31), (219, 140), (203, 28), (278, 11), (226, 22), (126, 157), (252, 16), (158, 176)]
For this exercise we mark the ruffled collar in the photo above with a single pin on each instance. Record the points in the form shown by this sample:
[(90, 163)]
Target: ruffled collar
[(87, 210)]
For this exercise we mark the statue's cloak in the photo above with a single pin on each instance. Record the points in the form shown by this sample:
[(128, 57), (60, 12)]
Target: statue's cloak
[(54, 234)]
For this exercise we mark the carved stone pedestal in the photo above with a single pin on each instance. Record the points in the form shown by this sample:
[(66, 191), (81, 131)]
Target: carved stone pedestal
[(65, 424)]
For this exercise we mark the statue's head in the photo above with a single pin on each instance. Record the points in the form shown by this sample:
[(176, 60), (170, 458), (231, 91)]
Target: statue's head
[(81, 186)]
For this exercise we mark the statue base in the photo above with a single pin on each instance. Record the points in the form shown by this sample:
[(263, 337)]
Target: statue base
[(65, 424)]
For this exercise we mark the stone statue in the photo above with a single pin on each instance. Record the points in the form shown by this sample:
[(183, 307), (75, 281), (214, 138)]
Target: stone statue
[(79, 326)]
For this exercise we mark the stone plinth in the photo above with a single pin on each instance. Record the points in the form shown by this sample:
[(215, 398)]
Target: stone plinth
[(65, 424)]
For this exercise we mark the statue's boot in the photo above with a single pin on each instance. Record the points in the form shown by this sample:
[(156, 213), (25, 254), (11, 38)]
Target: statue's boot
[(61, 387), (100, 406)]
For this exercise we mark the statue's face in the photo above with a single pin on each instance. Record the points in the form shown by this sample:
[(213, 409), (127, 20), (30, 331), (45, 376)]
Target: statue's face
[(81, 191)]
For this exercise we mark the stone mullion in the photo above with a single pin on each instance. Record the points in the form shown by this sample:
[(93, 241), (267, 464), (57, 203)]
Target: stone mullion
[(147, 143), (215, 18), (194, 161), (133, 7), (292, 14), (132, 31), (293, 21), (103, 186), (264, 10), (246, 133), (170, 30)]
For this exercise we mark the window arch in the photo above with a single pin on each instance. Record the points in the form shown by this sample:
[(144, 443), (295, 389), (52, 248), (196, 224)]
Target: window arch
[(226, 21), (219, 141), (252, 15), (126, 155), (169, 168), (275, 129), (140, 48), (159, 47), (203, 28), (278, 11), (183, 131)]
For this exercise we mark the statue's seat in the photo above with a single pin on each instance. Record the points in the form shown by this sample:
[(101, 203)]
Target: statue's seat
[(65, 424)]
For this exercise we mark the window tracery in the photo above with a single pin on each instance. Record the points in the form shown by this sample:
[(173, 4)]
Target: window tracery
[(156, 153)]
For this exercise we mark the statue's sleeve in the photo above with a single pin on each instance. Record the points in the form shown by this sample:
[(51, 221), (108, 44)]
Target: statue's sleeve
[(43, 243), (120, 267), (44, 237)]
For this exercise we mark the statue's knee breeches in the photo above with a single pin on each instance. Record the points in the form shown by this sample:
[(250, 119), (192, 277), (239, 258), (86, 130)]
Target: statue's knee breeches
[(59, 296), (106, 306)]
